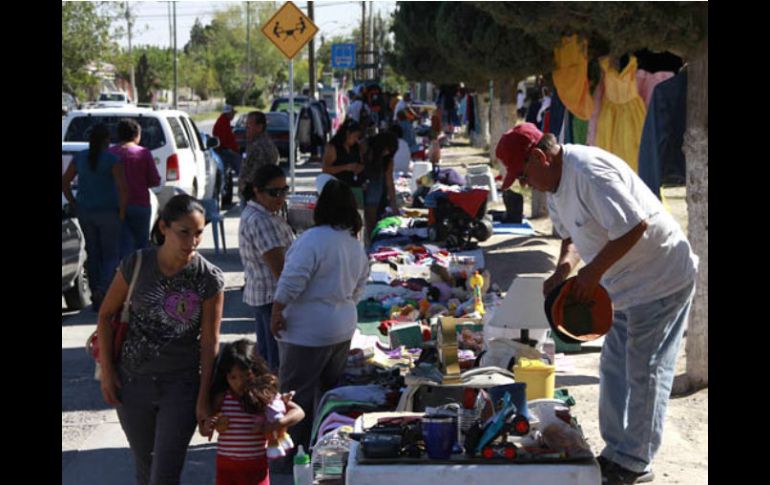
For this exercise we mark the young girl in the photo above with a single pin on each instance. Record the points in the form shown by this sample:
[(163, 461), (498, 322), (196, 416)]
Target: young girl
[(242, 393)]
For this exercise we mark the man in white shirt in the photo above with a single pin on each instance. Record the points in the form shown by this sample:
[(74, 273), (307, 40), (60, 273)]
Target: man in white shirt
[(608, 217)]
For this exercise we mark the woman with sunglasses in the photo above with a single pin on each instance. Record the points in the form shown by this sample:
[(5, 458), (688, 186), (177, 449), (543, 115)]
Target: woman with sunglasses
[(264, 237)]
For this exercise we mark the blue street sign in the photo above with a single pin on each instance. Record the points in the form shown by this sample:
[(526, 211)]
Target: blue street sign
[(343, 56)]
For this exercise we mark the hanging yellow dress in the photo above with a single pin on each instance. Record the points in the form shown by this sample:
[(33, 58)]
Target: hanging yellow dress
[(571, 76), (621, 119)]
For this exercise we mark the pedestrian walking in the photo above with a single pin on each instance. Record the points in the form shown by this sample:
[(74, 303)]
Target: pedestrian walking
[(160, 387)]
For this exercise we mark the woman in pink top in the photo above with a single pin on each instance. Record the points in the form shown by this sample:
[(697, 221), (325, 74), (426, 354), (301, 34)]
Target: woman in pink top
[(141, 175)]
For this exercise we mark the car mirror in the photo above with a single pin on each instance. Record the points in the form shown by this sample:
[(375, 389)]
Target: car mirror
[(212, 142)]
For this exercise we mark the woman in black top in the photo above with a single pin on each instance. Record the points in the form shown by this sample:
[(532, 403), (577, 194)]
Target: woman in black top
[(343, 157)]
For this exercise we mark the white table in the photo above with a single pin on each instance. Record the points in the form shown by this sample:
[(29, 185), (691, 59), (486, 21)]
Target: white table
[(487, 474)]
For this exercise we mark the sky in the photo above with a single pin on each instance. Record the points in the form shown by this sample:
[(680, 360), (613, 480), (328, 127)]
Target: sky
[(333, 17)]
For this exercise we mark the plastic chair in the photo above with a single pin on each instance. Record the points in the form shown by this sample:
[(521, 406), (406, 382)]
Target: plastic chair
[(217, 221)]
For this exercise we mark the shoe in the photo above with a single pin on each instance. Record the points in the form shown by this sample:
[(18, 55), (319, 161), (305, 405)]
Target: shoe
[(614, 474)]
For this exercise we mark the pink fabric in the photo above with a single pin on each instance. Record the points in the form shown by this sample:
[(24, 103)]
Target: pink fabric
[(141, 172), (646, 82), (598, 97)]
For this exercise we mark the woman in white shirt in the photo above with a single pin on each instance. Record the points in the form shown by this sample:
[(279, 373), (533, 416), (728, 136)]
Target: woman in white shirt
[(314, 309)]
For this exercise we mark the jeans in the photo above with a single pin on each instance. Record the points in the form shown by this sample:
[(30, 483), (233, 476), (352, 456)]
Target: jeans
[(157, 415), (638, 363), (266, 344), (102, 231), (231, 159), (136, 229)]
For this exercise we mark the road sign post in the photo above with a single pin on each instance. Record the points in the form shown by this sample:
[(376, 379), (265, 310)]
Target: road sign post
[(289, 29)]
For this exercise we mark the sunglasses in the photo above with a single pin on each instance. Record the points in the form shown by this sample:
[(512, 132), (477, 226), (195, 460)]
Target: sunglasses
[(277, 192)]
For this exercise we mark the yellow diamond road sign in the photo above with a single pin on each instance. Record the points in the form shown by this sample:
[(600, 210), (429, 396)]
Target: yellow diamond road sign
[(289, 29)]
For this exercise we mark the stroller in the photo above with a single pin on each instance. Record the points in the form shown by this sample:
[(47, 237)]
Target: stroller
[(456, 218)]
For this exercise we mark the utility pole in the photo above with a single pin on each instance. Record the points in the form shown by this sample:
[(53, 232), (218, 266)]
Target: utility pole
[(311, 54), (363, 37), (248, 55), (175, 73), (371, 38), (130, 56)]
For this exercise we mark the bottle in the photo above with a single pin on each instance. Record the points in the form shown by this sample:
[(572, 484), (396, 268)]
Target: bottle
[(303, 471)]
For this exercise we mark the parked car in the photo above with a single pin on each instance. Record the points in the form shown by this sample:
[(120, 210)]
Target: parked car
[(171, 136), (277, 129), (114, 99), (68, 103), (314, 126), (74, 284)]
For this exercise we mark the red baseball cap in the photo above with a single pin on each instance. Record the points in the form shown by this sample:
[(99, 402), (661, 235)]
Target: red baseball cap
[(514, 147)]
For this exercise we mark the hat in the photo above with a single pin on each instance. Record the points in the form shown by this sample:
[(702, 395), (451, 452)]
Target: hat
[(514, 147), (576, 322), (228, 109)]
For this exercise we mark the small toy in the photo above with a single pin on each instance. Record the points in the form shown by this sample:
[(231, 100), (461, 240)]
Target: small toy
[(505, 421), (477, 282), (278, 442)]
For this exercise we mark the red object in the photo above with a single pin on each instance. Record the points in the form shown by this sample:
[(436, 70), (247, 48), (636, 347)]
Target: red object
[(510, 452), (488, 452), (426, 335), (242, 472), (470, 201), (419, 154), (224, 132), (469, 398), (119, 331), (172, 168), (521, 427), (514, 148)]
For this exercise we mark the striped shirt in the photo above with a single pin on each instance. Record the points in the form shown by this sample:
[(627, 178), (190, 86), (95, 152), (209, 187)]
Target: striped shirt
[(239, 441), (259, 232)]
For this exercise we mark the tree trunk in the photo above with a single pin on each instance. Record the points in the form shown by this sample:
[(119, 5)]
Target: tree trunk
[(481, 139), (503, 116), (696, 155)]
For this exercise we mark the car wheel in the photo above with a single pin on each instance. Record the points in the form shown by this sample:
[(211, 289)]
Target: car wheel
[(79, 296)]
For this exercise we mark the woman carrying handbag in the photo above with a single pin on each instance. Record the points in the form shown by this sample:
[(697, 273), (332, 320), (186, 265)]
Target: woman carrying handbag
[(160, 385)]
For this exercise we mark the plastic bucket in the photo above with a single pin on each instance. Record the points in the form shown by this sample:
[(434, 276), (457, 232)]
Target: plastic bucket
[(539, 376)]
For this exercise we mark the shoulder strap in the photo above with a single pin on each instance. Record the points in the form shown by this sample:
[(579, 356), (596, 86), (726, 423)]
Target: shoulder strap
[(137, 265)]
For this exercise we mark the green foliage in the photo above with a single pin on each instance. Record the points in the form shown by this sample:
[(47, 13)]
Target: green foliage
[(85, 39)]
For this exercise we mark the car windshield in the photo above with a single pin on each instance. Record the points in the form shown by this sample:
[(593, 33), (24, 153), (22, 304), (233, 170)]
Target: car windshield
[(79, 129), (112, 97)]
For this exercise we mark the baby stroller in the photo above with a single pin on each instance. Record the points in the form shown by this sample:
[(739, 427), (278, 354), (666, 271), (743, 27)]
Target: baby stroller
[(457, 217)]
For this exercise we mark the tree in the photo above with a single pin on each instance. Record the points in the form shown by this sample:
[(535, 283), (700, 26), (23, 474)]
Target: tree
[(86, 39)]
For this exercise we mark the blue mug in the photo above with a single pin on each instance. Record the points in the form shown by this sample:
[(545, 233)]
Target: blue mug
[(439, 434)]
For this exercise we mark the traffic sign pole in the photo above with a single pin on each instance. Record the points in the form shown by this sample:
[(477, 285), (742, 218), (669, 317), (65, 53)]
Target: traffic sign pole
[(292, 131)]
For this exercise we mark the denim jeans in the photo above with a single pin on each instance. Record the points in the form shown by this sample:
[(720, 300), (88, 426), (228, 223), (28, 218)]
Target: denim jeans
[(231, 159), (266, 344), (638, 363), (136, 230), (102, 231), (157, 415)]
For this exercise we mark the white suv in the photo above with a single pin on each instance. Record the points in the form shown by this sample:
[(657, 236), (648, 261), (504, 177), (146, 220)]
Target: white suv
[(172, 136)]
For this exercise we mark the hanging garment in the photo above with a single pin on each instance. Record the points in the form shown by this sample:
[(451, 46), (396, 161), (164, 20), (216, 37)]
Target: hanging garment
[(571, 76), (579, 131), (560, 116), (471, 107), (646, 82), (661, 158), (619, 128), (598, 102)]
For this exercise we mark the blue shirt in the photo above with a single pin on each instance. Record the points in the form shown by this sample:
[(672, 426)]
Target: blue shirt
[(96, 188)]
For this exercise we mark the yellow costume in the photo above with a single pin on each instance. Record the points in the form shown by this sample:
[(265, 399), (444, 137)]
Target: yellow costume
[(571, 76), (621, 119)]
